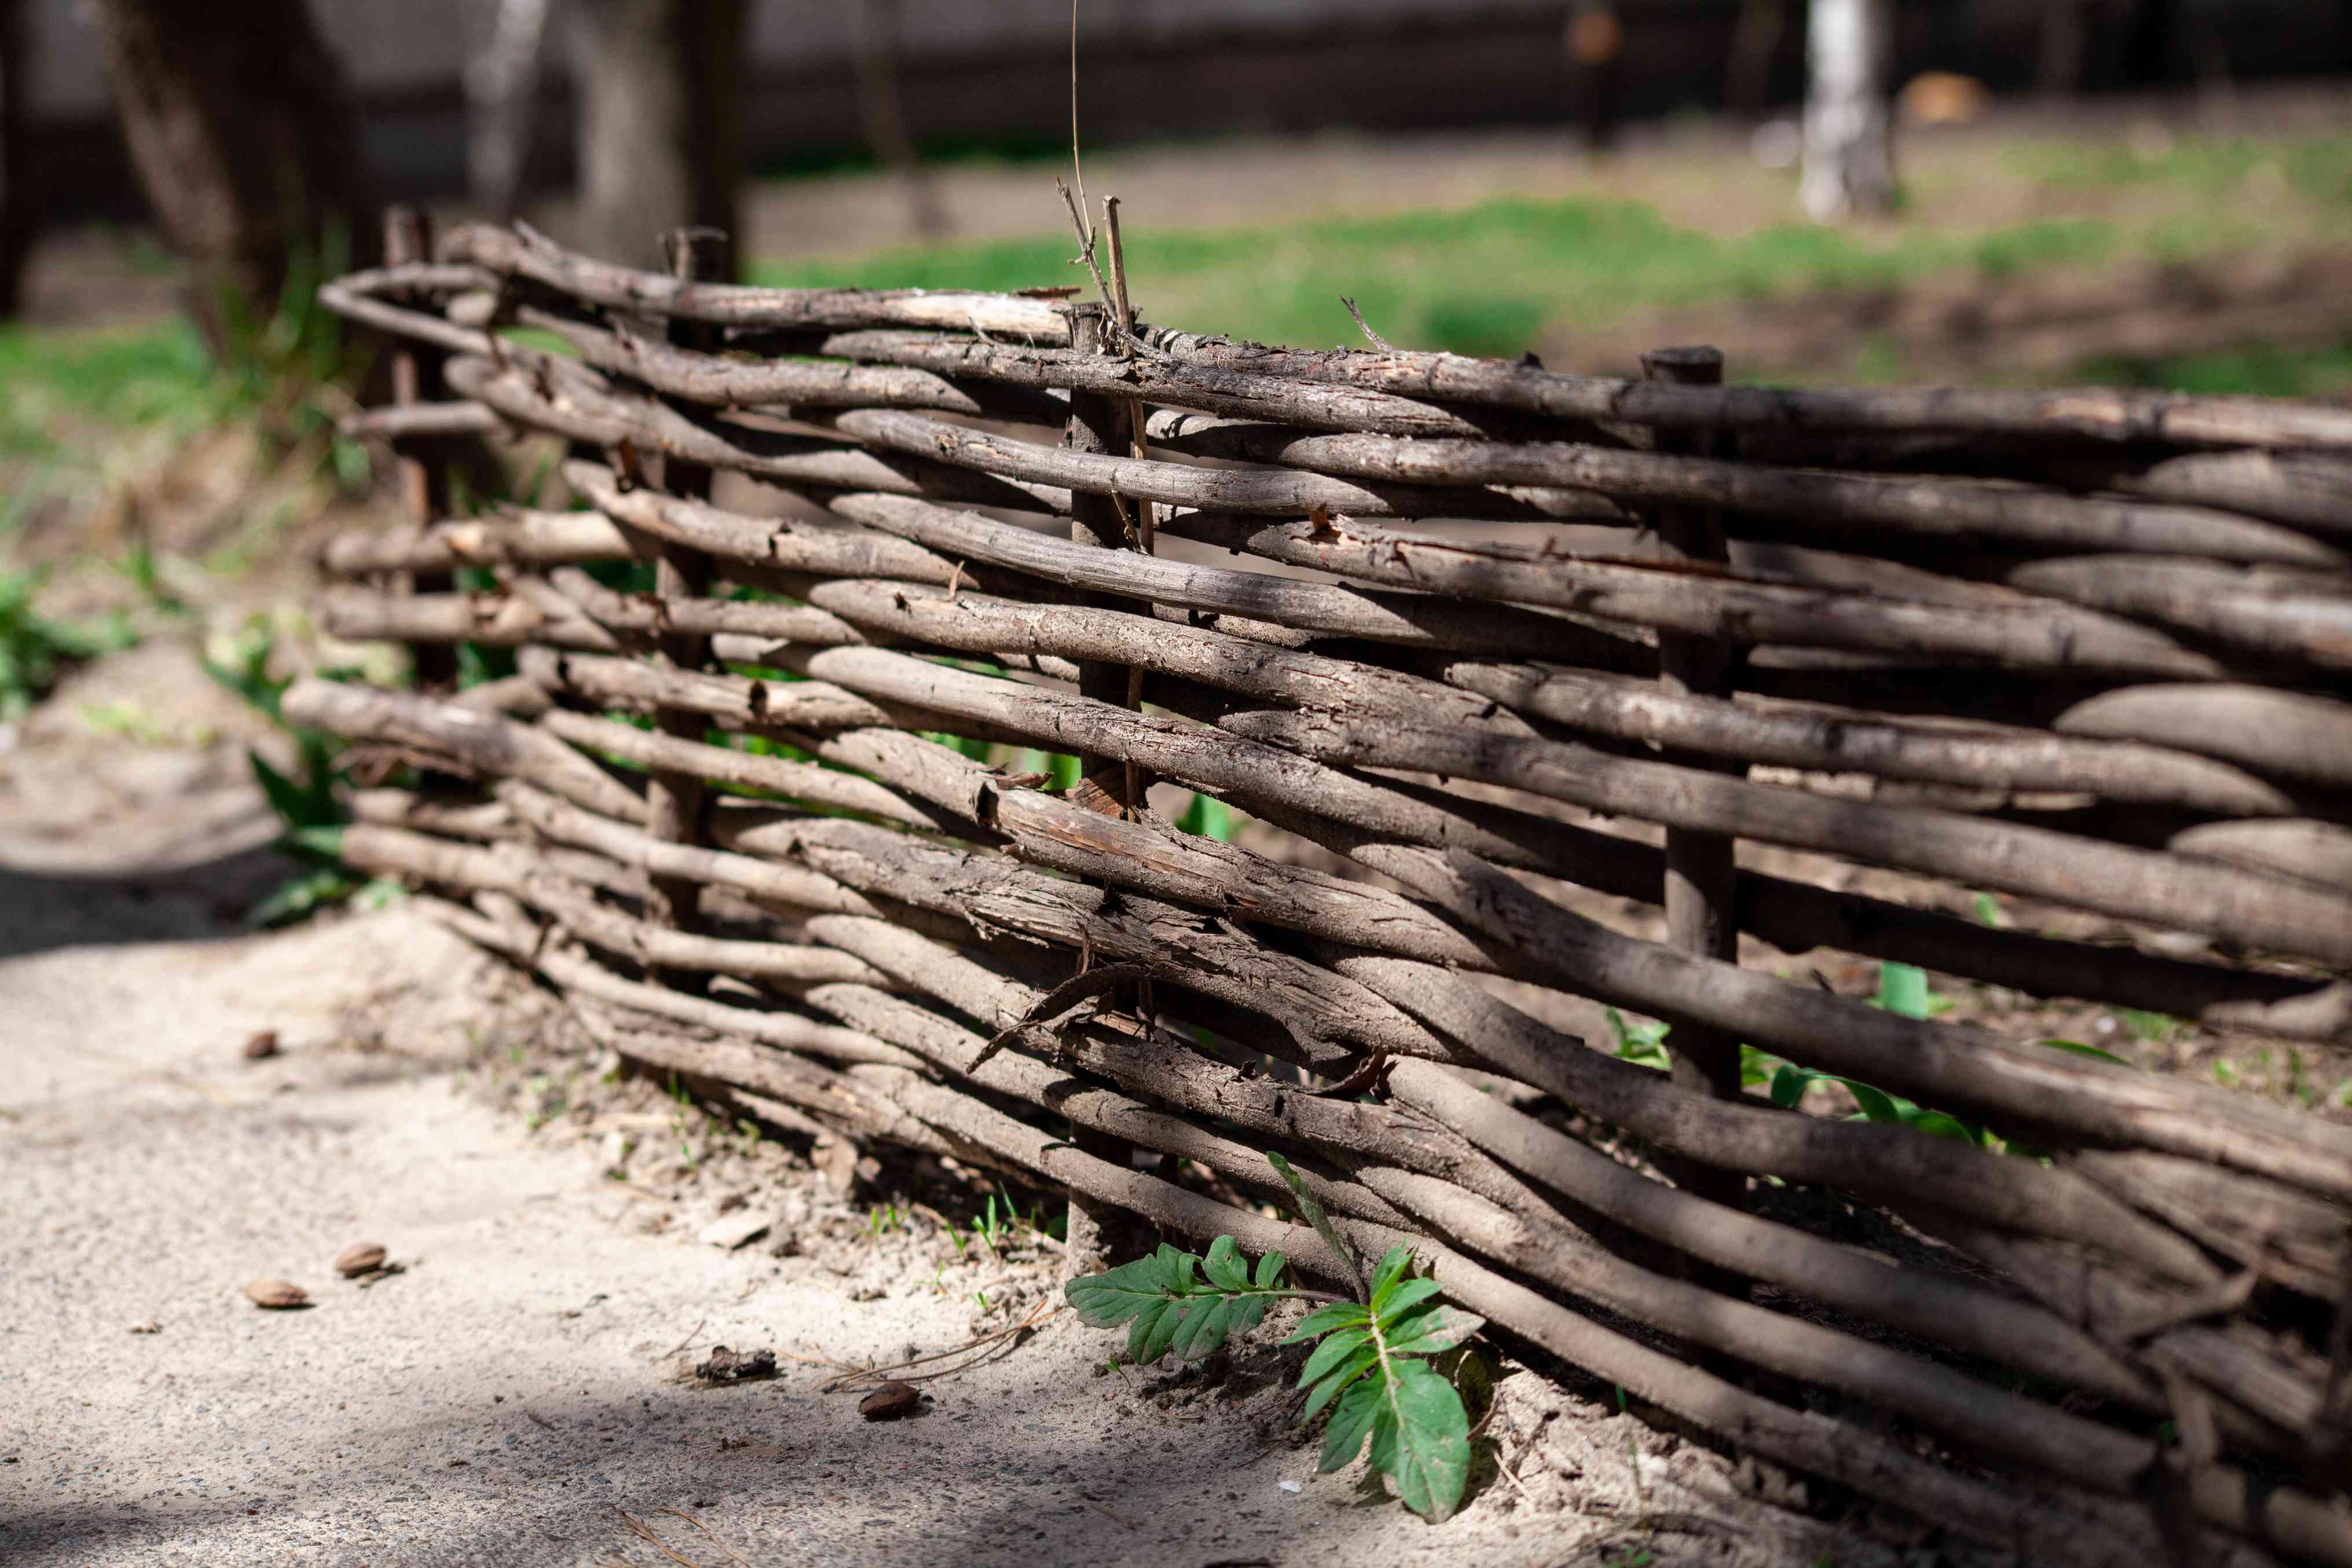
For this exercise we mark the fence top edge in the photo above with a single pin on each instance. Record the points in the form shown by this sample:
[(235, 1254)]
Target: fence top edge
[(2102, 415)]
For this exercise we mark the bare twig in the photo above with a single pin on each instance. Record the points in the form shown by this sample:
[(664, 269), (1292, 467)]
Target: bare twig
[(1377, 341)]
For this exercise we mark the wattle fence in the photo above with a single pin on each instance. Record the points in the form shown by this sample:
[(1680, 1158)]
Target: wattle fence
[(1482, 641)]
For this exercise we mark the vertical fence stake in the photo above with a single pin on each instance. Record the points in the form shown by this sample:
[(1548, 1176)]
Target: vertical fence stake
[(424, 487), (1702, 916), (673, 800), (1099, 1234)]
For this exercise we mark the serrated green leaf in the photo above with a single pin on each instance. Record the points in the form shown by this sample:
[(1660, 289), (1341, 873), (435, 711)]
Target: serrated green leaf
[(1203, 1328), (1351, 1422), (1338, 1378), (1323, 1320), (1225, 1265), (1431, 1458), (1155, 1330), (1439, 1329), (1394, 1264), (1312, 1209), (1107, 1300), (1402, 1298), (1335, 1348), (1269, 1270)]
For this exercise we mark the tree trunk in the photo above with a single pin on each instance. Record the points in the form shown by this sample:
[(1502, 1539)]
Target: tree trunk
[(1849, 144), (19, 204), (659, 87), (502, 96), (883, 107), (241, 127)]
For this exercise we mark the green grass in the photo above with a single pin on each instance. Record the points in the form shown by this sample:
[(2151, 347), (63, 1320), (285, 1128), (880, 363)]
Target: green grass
[(59, 382), (2268, 370), (1484, 279)]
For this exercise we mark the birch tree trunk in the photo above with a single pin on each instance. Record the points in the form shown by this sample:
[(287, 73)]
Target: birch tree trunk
[(502, 78), (241, 125), (1848, 144), (659, 92)]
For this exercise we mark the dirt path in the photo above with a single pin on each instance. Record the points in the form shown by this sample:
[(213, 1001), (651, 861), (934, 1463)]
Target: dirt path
[(516, 1395)]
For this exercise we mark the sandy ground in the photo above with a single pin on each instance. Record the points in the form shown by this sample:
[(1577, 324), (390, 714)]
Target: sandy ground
[(518, 1394)]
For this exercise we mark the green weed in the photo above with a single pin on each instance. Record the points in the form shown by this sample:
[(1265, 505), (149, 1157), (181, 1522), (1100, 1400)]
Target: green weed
[(35, 649), (1375, 1363)]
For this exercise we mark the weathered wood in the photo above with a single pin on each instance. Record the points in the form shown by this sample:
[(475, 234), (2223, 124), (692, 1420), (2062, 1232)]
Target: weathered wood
[(2276, 733), (2256, 911), (2022, 635), (520, 539), (2082, 647), (2094, 413), (1702, 893), (1844, 506), (525, 254)]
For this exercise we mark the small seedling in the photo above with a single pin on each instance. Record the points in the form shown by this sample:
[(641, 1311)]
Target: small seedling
[(1644, 1043), (1371, 1368)]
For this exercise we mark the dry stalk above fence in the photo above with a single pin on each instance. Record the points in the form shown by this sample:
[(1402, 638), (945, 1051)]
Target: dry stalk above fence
[(1578, 662)]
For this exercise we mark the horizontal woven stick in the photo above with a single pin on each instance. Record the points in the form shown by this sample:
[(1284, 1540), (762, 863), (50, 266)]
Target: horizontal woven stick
[(1826, 739), (789, 1031), (2084, 414), (1864, 505), (419, 419), (801, 383), (1283, 788), (1793, 915), (485, 743), (1859, 1157), (2072, 1449), (786, 546), (2305, 617), (1146, 931), (1218, 391), (1422, 620), (808, 704), (2307, 490), (2288, 734), (725, 765), (513, 869), (519, 538), (1330, 1017), (2244, 908), (526, 254), (493, 620), (2314, 851), (580, 412), (2026, 634), (1958, 1067), (1279, 491)]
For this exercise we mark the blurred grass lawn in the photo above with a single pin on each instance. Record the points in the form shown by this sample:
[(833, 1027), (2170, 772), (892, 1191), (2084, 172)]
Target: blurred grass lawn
[(1486, 280)]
